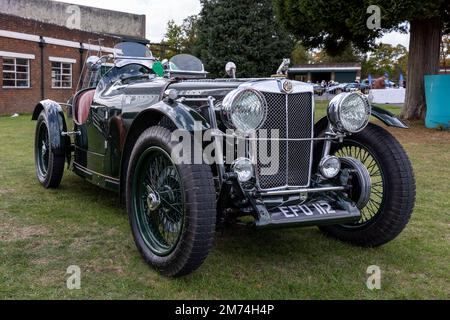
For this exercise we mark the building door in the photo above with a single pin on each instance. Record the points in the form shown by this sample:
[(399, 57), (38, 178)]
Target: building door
[(318, 77), (345, 77)]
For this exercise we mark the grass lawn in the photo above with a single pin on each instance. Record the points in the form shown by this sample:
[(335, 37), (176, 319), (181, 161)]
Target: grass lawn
[(43, 232)]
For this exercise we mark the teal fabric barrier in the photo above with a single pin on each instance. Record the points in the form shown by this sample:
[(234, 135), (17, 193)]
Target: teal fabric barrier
[(437, 91)]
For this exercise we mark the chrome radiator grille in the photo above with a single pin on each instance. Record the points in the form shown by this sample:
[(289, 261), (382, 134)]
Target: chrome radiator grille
[(292, 115)]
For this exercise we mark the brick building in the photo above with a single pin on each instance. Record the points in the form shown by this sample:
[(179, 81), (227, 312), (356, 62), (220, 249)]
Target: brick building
[(41, 60)]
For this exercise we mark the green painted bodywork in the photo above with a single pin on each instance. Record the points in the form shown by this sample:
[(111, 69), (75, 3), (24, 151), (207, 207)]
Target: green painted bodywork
[(388, 118), (119, 109)]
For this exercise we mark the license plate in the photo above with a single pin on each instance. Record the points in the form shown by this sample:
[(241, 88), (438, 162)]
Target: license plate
[(310, 214), (319, 209)]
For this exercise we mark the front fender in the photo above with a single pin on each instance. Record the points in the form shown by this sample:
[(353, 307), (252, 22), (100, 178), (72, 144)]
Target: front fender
[(388, 118), (183, 117), (56, 124), (384, 116)]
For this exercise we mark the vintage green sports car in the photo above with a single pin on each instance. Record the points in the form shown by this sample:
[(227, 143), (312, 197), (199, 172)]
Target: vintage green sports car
[(188, 155)]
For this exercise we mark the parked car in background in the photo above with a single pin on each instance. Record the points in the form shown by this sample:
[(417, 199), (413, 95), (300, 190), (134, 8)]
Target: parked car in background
[(347, 87), (336, 88), (319, 89), (357, 86)]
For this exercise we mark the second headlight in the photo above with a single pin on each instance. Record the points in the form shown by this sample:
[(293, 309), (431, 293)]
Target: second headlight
[(349, 112), (244, 110)]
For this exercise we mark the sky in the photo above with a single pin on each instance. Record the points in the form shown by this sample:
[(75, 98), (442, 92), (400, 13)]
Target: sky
[(159, 12)]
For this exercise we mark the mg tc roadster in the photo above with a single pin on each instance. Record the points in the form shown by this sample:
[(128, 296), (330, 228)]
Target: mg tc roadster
[(188, 155)]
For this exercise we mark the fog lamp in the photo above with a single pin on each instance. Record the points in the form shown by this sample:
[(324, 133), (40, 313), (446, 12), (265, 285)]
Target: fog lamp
[(330, 167), (243, 167)]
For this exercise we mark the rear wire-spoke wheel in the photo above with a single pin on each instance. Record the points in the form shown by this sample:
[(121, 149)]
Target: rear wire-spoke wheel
[(393, 192), (49, 166), (171, 205), (43, 150)]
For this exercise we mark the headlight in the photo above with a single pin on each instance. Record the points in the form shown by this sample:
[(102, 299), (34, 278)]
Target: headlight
[(330, 167), (244, 110), (243, 167), (349, 112)]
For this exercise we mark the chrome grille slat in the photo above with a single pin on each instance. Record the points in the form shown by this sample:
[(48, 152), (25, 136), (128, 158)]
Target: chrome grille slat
[(292, 115)]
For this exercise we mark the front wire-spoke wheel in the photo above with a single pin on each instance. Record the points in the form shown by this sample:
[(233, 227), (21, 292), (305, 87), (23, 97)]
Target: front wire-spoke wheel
[(171, 205), (355, 150), (158, 201), (393, 191)]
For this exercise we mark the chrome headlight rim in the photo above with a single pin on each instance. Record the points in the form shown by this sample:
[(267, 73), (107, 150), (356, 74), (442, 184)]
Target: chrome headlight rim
[(228, 108), (335, 114), (244, 169), (325, 161)]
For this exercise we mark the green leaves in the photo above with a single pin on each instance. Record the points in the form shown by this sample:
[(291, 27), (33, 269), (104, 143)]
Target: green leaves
[(245, 32), (333, 24), (386, 58)]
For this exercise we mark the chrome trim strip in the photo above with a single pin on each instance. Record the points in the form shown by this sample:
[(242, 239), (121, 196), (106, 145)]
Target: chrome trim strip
[(272, 86), (297, 191), (88, 171), (218, 133), (287, 143)]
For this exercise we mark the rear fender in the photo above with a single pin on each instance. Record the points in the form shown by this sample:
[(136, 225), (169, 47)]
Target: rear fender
[(56, 125)]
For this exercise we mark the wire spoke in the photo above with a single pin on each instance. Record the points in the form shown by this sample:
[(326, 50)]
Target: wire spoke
[(161, 186), (357, 151)]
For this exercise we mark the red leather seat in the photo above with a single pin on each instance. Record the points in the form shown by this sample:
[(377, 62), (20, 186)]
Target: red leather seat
[(83, 103)]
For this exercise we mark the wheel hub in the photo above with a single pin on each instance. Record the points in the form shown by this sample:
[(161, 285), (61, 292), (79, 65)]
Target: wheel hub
[(361, 181), (44, 149), (153, 201)]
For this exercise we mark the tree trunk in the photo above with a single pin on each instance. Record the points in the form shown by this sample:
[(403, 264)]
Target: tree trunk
[(424, 52)]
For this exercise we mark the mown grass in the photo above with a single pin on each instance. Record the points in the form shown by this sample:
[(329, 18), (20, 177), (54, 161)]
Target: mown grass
[(43, 232)]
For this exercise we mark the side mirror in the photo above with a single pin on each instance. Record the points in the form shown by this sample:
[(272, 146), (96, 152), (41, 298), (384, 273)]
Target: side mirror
[(93, 63), (230, 69), (165, 64)]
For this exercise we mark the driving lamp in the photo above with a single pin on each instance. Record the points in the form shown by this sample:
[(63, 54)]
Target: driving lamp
[(244, 110), (243, 167), (349, 112), (330, 167)]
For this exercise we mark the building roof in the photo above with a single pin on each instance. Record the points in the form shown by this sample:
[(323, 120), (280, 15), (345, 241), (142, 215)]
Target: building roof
[(317, 67), (84, 18)]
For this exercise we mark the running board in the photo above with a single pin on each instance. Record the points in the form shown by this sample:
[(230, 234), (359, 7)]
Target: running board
[(308, 214)]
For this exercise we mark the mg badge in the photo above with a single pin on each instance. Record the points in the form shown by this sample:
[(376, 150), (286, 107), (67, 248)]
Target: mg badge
[(287, 86)]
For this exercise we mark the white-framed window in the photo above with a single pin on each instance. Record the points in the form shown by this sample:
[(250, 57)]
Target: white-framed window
[(61, 75), (16, 72)]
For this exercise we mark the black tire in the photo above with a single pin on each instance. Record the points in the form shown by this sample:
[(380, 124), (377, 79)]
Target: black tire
[(49, 166), (395, 203), (199, 203)]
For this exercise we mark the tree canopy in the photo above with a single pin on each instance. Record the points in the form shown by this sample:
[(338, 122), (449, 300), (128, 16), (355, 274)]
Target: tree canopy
[(336, 24), (245, 32), (386, 58), (180, 38)]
